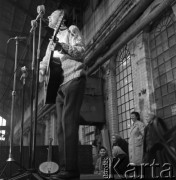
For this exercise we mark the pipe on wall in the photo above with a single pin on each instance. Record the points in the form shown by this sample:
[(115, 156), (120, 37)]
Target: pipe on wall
[(151, 13), (128, 20)]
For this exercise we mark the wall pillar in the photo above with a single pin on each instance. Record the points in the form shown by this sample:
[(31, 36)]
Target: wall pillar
[(111, 97), (142, 76)]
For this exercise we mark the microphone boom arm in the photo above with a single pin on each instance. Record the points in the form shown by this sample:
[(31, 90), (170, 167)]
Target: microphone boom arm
[(18, 38)]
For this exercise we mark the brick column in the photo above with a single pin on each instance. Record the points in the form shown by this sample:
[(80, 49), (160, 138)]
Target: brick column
[(142, 77), (111, 97)]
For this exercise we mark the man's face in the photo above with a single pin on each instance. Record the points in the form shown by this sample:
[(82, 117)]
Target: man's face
[(53, 19)]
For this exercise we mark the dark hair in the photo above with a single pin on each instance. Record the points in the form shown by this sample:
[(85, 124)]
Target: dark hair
[(102, 147), (66, 13), (117, 137), (136, 114)]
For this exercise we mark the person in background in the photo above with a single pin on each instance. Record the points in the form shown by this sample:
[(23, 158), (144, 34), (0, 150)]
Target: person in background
[(117, 140), (120, 157), (136, 139), (94, 152), (149, 140), (103, 159)]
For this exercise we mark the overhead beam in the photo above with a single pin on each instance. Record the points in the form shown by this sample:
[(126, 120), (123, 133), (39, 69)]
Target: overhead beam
[(16, 33), (149, 15), (5, 94), (70, 4), (4, 83), (7, 47), (11, 33), (121, 26), (24, 10), (3, 55)]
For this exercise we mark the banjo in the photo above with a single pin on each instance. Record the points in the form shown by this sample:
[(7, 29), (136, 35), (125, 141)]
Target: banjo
[(49, 167)]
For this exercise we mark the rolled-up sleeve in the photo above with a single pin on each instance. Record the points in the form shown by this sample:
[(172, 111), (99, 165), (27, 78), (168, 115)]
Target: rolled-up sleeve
[(76, 46)]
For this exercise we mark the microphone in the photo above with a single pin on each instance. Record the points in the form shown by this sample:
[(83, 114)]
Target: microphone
[(41, 12), (17, 38), (24, 73), (41, 9)]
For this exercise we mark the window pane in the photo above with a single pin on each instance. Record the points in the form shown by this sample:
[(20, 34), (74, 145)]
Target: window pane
[(125, 95)]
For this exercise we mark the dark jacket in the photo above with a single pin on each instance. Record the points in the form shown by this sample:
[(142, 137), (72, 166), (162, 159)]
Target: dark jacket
[(120, 164), (123, 144)]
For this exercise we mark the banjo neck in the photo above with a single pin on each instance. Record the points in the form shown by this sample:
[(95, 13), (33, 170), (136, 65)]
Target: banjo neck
[(49, 167), (50, 150)]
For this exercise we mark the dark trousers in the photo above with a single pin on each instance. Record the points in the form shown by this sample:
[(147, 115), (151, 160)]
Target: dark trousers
[(68, 105), (121, 167)]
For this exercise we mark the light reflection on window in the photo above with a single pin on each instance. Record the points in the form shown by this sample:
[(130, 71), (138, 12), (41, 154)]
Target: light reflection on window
[(2, 132)]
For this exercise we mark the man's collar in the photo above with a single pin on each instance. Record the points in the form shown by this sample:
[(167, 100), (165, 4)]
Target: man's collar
[(62, 27)]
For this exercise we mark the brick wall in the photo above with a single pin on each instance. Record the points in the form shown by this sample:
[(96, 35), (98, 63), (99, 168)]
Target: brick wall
[(95, 18), (141, 73), (142, 83)]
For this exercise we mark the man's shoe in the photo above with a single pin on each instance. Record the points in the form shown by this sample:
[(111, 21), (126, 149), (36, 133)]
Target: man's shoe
[(66, 175)]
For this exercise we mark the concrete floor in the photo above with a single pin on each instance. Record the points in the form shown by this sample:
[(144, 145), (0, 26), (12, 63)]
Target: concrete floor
[(90, 176)]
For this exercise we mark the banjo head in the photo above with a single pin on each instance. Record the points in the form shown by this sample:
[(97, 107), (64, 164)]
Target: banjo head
[(49, 168)]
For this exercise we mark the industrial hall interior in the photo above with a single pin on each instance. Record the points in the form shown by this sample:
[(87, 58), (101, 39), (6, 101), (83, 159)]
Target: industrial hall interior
[(117, 65)]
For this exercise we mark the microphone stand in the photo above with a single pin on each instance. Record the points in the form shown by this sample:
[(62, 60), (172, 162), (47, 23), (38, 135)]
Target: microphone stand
[(23, 78), (34, 26), (36, 92), (35, 173), (32, 172), (10, 158)]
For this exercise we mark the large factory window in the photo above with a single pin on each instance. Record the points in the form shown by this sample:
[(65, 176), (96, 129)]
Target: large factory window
[(125, 99)]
